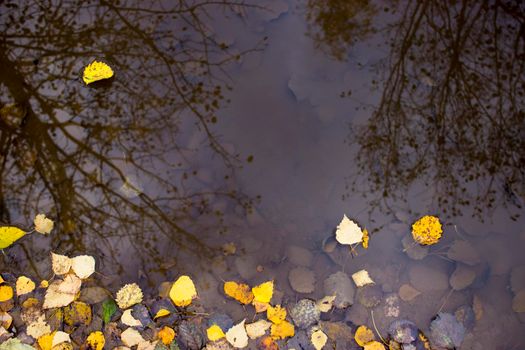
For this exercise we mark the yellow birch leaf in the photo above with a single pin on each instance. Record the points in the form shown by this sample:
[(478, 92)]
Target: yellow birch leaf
[(366, 238), (318, 339), (215, 332), (45, 342), (6, 293), (237, 336), (427, 230), (325, 304), (276, 314), (166, 335), (42, 224), (1, 279), (24, 285), (9, 235), (263, 292), (348, 232), (282, 330), (363, 335), (96, 340), (161, 313), (183, 291), (96, 71), (238, 291), (374, 345)]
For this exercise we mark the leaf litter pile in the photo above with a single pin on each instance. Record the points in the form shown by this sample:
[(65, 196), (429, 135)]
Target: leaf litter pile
[(62, 313)]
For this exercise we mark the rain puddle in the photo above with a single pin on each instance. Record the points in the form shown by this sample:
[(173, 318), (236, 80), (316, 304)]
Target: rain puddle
[(229, 144)]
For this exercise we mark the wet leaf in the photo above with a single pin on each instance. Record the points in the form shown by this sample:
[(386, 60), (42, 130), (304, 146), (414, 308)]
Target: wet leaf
[(427, 230), (260, 307), (129, 320), (214, 333), (38, 327), (263, 293), (96, 71), (282, 330), (162, 313), (183, 291), (96, 340), (363, 335), (237, 336), (239, 291), (366, 238), (318, 339), (348, 232), (190, 335), (42, 224), (5, 320), (362, 278), (166, 335), (6, 293), (267, 343), (60, 337), (15, 344), (129, 295), (24, 285), (257, 329), (46, 341), (60, 264), (83, 266), (77, 314), (276, 314), (62, 292), (374, 345), (325, 304), (131, 337), (9, 235), (109, 307)]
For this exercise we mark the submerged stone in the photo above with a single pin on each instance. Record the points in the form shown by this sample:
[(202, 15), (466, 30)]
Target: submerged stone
[(302, 280), (340, 285), (403, 331), (305, 313), (369, 295), (446, 331)]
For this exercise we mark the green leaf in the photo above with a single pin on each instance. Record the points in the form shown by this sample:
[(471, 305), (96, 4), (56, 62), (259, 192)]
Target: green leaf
[(109, 307)]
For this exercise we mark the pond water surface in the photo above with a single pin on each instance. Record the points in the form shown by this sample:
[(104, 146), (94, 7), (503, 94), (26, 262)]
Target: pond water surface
[(261, 124)]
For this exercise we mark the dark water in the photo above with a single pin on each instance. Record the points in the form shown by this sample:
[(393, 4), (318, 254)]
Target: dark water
[(262, 124)]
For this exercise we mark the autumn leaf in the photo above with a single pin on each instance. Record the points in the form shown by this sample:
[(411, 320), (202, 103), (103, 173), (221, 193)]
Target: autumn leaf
[(276, 314), (62, 292), (238, 291), (109, 307), (263, 293), (60, 264), (282, 330), (129, 295), (325, 304), (183, 291), (237, 336), (214, 333), (257, 329), (362, 278), (366, 238), (427, 230), (42, 224), (96, 340), (6, 293), (83, 266), (318, 339), (166, 335), (9, 235), (374, 345), (363, 335), (267, 343), (348, 232), (96, 71), (24, 285)]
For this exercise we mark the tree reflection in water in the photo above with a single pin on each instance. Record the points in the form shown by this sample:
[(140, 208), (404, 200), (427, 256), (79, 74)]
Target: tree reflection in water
[(78, 153), (450, 115)]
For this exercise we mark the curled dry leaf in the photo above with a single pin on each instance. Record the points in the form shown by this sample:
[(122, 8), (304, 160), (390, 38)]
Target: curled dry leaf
[(129, 295), (237, 336), (60, 264), (62, 292), (24, 285), (348, 232), (83, 266), (43, 224)]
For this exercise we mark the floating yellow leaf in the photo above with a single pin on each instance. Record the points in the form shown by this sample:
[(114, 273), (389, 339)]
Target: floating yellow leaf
[(237, 336), (215, 332), (263, 292), (9, 235), (348, 232), (45, 342), (427, 230), (161, 313), (366, 238), (363, 335), (6, 293), (183, 291), (238, 291), (374, 345), (24, 285), (96, 340), (44, 284), (318, 339), (282, 330), (260, 307), (42, 224), (129, 295), (166, 335), (276, 314), (96, 71)]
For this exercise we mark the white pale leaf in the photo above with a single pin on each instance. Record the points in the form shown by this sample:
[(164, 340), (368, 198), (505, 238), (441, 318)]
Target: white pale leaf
[(257, 329), (60, 337), (131, 337), (60, 264), (83, 266), (348, 232), (62, 292), (325, 304), (38, 327), (362, 278), (318, 339), (128, 319), (237, 336)]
